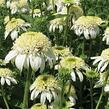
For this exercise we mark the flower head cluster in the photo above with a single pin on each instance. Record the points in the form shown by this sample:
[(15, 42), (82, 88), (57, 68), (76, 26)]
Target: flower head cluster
[(106, 36), (88, 26), (57, 24), (31, 49), (14, 26), (7, 76), (61, 51), (73, 65), (46, 86), (18, 5), (102, 60)]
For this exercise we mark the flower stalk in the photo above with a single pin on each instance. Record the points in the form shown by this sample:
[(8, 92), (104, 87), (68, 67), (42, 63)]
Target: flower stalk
[(4, 98), (26, 90)]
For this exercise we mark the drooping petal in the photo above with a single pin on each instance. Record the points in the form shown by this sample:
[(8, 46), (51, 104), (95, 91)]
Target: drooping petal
[(33, 94), (106, 88), (19, 61), (10, 56), (2, 81), (73, 76), (80, 75), (14, 34), (43, 97), (49, 96), (8, 81), (96, 60), (104, 66)]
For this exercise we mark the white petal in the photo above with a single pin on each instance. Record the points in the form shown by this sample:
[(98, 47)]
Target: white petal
[(42, 65), (49, 96), (86, 34), (37, 93), (104, 66), (80, 75), (13, 80), (95, 57), (33, 94), (106, 88), (2, 80), (73, 76), (6, 34), (27, 62), (96, 60), (35, 62), (43, 97), (51, 28), (19, 61), (8, 81), (14, 34), (10, 56), (100, 64)]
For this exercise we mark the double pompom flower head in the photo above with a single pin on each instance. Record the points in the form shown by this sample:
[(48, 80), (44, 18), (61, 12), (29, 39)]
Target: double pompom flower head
[(88, 26), (31, 49)]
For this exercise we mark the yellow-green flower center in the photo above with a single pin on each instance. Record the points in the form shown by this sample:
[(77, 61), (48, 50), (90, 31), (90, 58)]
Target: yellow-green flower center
[(14, 23), (45, 82), (88, 21), (5, 72), (31, 43), (72, 62), (105, 53)]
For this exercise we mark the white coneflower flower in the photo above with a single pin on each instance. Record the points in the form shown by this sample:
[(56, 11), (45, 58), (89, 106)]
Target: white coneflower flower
[(14, 26), (31, 49), (36, 12), (106, 36), (6, 76), (57, 24), (88, 26), (103, 60), (46, 86), (61, 51), (18, 5), (73, 65)]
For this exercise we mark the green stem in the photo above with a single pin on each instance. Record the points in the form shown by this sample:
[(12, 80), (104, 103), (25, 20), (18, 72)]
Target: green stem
[(26, 91), (4, 98), (62, 95), (91, 92), (53, 4), (100, 98), (66, 28)]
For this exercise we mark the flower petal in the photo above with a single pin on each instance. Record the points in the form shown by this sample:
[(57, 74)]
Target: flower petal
[(19, 61), (8, 81), (73, 76), (80, 75), (2, 81), (10, 56)]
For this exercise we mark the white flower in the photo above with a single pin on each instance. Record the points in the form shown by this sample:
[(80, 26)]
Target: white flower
[(46, 86), (18, 6), (106, 36), (6, 76), (102, 60), (31, 49), (57, 24), (73, 65), (14, 26), (88, 26)]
